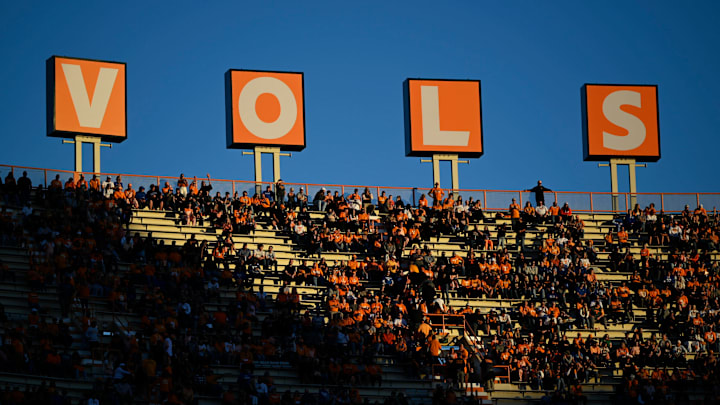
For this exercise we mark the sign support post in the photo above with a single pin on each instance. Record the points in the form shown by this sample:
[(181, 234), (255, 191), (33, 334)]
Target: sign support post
[(453, 159), (96, 141), (631, 164), (257, 152)]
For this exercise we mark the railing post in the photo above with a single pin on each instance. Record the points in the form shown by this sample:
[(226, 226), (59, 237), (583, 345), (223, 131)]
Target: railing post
[(413, 192), (377, 196), (697, 199), (592, 208), (520, 201), (45, 175), (342, 191), (485, 199), (662, 202), (555, 194), (233, 187), (626, 202), (157, 179)]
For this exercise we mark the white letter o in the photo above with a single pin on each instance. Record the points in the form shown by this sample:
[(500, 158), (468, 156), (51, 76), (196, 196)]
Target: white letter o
[(248, 114)]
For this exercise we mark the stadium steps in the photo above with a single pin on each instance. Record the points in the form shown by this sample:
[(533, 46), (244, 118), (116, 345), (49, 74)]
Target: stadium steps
[(505, 393), (284, 375), (18, 259), (76, 388)]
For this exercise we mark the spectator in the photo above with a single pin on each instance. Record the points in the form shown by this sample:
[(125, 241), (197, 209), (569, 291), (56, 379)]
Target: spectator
[(539, 191)]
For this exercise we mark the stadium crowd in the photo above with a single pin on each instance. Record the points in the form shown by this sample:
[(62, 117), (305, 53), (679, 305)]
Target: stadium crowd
[(380, 303)]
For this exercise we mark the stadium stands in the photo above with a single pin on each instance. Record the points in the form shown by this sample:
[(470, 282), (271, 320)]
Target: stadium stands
[(176, 295)]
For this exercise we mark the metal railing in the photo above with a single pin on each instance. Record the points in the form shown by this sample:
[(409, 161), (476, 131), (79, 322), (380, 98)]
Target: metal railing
[(491, 200), (447, 321)]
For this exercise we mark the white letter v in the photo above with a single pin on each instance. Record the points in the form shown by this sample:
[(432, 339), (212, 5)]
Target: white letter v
[(89, 115)]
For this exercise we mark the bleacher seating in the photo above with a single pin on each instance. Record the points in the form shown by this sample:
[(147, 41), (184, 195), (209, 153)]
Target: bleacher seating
[(244, 332)]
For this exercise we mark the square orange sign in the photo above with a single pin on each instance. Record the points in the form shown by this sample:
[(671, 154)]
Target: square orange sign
[(265, 108), (443, 116), (620, 121), (86, 97)]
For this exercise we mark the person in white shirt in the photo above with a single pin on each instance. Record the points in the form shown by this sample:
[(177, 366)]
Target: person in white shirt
[(270, 260), (92, 335), (400, 322), (260, 254), (186, 308), (262, 389), (354, 204), (108, 182), (120, 372), (541, 212), (674, 232), (27, 210), (213, 285), (108, 190), (504, 322), (461, 206), (169, 346), (562, 240), (299, 231)]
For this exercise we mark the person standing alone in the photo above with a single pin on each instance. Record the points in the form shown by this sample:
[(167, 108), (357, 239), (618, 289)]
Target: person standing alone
[(539, 191)]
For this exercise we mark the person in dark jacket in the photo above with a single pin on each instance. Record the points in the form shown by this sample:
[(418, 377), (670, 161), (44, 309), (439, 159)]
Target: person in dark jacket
[(539, 191)]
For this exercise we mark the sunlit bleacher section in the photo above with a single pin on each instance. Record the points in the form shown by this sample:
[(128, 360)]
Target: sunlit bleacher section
[(184, 296)]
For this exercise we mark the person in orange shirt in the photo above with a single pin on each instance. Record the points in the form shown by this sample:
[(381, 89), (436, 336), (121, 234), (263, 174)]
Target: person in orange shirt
[(353, 280), (449, 202), (245, 200), (514, 210), (682, 301), (434, 348), (700, 211), (81, 185), (94, 185), (529, 213), (343, 279), (130, 196), (422, 202), (623, 237), (644, 252), (119, 195), (364, 307), (711, 339), (437, 195), (458, 264), (554, 212), (376, 307), (193, 188), (56, 184), (70, 185), (609, 239), (414, 234), (622, 353)]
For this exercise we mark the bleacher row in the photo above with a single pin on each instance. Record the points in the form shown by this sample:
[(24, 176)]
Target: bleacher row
[(166, 226)]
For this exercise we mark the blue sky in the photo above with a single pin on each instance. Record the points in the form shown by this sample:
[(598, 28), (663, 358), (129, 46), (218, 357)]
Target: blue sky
[(532, 59)]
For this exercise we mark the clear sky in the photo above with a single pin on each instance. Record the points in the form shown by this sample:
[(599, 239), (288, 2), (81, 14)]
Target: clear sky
[(532, 58)]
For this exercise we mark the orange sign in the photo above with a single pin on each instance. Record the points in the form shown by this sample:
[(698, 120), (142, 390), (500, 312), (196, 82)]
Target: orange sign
[(86, 97), (620, 121), (265, 109), (443, 116)]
